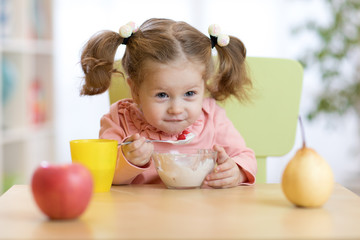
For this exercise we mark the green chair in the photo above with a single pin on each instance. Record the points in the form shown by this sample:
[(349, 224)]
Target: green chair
[(267, 123)]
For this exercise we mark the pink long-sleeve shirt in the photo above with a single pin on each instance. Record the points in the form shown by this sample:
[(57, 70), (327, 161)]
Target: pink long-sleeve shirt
[(212, 128)]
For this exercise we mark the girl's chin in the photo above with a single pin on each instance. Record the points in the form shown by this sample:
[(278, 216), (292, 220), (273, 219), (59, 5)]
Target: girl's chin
[(173, 131)]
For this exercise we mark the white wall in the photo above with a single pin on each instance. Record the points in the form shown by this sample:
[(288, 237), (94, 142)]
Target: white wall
[(263, 25)]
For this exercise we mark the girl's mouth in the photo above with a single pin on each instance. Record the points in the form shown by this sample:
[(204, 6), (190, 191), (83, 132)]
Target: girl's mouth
[(173, 120)]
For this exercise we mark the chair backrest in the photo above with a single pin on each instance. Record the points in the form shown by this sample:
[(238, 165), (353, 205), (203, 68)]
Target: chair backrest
[(268, 123)]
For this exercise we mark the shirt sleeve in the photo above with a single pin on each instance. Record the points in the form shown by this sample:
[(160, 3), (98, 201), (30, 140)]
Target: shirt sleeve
[(234, 144), (110, 128)]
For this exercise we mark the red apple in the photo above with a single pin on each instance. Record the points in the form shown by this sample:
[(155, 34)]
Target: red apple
[(62, 191)]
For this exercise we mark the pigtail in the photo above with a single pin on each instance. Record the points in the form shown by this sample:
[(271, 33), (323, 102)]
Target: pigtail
[(231, 77), (97, 61)]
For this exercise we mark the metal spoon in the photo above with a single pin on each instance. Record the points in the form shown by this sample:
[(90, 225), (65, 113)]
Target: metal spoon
[(188, 138)]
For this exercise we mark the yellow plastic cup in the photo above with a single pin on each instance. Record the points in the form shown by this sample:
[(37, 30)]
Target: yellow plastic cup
[(99, 156)]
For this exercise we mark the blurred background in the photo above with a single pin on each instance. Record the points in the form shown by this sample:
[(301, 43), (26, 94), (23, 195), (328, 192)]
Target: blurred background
[(41, 41)]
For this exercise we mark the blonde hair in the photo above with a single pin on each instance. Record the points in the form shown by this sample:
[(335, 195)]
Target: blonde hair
[(164, 41)]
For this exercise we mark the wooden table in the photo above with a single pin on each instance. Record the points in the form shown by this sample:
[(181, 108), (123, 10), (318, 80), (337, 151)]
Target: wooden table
[(153, 212)]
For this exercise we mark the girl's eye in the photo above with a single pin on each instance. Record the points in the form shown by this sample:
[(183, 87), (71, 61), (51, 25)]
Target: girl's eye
[(190, 93), (161, 95)]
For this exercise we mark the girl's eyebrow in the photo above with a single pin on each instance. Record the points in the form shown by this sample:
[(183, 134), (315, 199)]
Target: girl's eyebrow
[(194, 86), (197, 85), (158, 89), (166, 89), (162, 88)]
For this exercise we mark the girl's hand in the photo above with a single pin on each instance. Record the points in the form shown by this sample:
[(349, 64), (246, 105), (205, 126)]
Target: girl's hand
[(139, 151), (227, 174)]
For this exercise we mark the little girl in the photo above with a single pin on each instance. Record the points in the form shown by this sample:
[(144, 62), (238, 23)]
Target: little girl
[(170, 72)]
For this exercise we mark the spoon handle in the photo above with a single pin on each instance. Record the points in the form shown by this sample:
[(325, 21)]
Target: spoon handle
[(126, 143)]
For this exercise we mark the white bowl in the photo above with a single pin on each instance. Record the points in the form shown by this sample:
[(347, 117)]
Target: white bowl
[(184, 169)]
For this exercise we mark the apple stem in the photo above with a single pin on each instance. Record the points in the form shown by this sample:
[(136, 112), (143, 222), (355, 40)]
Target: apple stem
[(302, 132)]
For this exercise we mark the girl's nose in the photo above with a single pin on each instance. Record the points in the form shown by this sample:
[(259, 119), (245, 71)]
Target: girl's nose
[(175, 108)]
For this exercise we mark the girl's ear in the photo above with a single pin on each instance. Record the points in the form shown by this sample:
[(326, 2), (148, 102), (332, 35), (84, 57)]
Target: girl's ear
[(134, 92)]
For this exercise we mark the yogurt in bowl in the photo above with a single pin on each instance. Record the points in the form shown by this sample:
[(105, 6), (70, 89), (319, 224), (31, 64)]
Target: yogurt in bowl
[(184, 169)]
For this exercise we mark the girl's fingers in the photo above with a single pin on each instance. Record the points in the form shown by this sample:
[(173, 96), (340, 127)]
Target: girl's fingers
[(137, 142), (225, 166), (139, 151), (133, 137), (139, 148), (222, 179), (219, 175), (225, 174), (221, 183), (141, 156), (222, 155), (223, 171)]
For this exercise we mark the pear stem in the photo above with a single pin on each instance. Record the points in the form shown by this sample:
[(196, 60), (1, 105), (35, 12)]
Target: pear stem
[(302, 132)]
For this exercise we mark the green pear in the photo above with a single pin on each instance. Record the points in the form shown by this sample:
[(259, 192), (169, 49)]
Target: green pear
[(307, 180)]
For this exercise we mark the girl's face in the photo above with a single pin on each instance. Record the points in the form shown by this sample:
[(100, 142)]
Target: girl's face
[(171, 95)]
